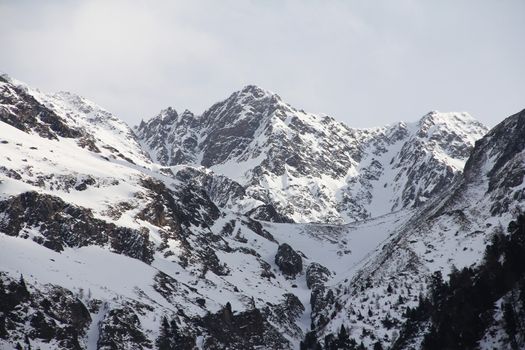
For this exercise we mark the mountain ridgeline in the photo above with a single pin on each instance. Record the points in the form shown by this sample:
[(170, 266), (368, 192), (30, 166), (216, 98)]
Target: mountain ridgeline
[(256, 225), (312, 168)]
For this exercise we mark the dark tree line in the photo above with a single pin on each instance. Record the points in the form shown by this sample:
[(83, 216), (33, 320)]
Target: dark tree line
[(170, 336), (461, 310), (341, 341)]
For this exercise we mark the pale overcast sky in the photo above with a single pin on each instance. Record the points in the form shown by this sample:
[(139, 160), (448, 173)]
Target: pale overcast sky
[(367, 63)]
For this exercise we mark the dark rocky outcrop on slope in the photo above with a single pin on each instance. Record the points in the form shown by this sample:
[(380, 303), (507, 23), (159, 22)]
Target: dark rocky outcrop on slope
[(24, 112), (63, 225), (50, 314), (243, 330), (268, 213), (183, 211), (288, 260), (502, 151), (286, 314), (320, 297), (187, 206), (220, 189), (316, 275), (119, 329)]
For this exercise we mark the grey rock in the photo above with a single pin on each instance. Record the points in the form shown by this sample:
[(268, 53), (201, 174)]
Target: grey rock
[(288, 260)]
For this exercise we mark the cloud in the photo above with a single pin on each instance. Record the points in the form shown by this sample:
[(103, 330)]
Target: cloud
[(367, 63)]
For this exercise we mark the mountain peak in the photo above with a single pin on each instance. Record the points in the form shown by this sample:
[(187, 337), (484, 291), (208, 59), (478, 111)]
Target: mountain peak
[(5, 78), (458, 123), (79, 102), (168, 113), (250, 103), (255, 91), (437, 117), (253, 94)]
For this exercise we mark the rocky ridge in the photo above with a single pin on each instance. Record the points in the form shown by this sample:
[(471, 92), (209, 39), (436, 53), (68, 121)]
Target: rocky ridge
[(313, 168)]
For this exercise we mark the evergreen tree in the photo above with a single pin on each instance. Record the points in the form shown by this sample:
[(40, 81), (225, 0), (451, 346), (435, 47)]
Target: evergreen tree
[(163, 341), (510, 323), (176, 336), (22, 287), (2, 293), (170, 336), (437, 286), (343, 340), (3, 310), (3, 330), (521, 289), (174, 328), (22, 282), (461, 311), (310, 342), (329, 342)]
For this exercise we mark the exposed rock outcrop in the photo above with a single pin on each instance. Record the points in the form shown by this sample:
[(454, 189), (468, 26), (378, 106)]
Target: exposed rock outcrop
[(288, 260)]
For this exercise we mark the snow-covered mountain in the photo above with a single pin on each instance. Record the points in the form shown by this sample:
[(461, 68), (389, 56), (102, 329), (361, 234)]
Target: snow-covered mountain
[(449, 233), (112, 243), (226, 230), (97, 224), (313, 168)]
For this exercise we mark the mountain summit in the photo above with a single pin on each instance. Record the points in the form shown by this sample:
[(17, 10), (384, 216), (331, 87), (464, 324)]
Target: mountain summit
[(312, 168)]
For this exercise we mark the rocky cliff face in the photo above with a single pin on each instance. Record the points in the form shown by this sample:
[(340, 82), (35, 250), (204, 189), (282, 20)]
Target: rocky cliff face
[(50, 221), (312, 168), (23, 111), (449, 233)]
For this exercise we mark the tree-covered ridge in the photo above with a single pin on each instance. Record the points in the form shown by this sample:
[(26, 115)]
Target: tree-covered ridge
[(458, 313)]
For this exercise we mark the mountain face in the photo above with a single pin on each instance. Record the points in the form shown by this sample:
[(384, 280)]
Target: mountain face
[(447, 234), (251, 226), (313, 168), (99, 223)]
